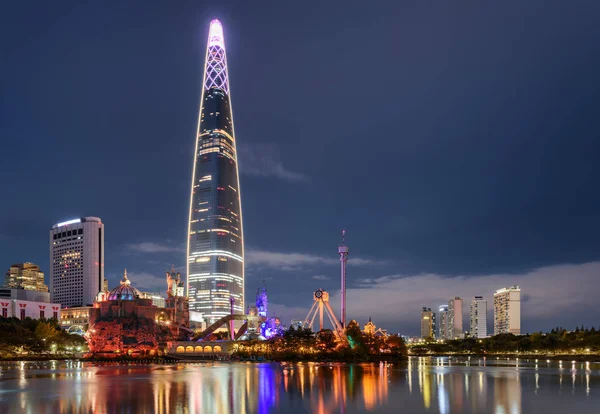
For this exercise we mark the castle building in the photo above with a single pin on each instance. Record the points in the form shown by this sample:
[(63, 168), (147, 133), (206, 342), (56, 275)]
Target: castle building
[(126, 321)]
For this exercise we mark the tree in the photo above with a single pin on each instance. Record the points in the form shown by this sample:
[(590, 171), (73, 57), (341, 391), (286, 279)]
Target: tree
[(354, 334), (326, 340), (45, 331), (396, 344)]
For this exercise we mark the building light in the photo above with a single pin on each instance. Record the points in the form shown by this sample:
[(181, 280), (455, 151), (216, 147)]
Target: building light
[(65, 223)]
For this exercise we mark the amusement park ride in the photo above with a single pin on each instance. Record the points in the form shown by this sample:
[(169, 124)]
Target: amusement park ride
[(321, 300), (321, 305), (258, 324)]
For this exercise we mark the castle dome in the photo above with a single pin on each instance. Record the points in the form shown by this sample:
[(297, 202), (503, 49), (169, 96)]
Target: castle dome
[(125, 291)]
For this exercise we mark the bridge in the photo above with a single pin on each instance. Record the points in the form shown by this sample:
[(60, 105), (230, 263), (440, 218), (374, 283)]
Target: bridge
[(252, 321)]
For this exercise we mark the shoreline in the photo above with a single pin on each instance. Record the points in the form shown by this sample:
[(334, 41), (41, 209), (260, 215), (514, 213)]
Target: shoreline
[(169, 359), (553, 357)]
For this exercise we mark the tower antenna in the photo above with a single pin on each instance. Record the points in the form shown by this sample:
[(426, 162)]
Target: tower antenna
[(343, 252)]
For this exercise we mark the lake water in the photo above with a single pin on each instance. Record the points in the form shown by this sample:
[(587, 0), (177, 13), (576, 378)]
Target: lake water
[(421, 385)]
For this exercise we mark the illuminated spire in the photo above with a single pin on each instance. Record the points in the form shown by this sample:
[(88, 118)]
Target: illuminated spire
[(125, 281), (216, 60), (215, 34)]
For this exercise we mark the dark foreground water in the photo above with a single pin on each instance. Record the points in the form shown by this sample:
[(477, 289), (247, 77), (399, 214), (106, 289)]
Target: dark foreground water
[(421, 385)]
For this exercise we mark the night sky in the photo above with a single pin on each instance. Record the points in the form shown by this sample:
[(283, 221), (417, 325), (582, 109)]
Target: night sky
[(457, 142)]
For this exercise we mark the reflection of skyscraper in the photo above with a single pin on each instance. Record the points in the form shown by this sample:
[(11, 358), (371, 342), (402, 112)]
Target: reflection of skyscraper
[(478, 317), (507, 394), (443, 322), (507, 311), (215, 250), (455, 318)]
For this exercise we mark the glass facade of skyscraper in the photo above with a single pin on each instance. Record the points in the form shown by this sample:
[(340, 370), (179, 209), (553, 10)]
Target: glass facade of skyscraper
[(215, 253)]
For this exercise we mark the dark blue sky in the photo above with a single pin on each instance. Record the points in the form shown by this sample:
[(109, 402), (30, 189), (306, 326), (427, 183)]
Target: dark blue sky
[(452, 141)]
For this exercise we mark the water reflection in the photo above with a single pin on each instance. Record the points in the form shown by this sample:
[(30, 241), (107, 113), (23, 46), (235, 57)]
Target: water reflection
[(420, 385)]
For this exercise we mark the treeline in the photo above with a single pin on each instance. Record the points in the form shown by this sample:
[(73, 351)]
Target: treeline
[(558, 340), (36, 337), (303, 344)]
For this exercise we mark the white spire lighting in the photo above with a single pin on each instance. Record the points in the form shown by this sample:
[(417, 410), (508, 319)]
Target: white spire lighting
[(216, 62)]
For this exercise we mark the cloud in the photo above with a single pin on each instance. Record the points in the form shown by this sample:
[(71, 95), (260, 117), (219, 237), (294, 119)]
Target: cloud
[(287, 313), (294, 261), (151, 247), (551, 295), (559, 295), (320, 277), (264, 160), (148, 282)]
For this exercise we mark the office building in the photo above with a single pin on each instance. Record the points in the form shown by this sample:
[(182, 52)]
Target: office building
[(27, 276), (455, 318), (427, 323), (75, 320), (21, 303), (507, 311), (443, 323), (157, 299), (215, 247), (76, 261), (27, 295), (478, 317)]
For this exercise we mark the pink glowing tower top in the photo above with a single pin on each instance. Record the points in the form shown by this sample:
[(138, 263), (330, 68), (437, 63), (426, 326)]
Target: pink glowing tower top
[(215, 34), (216, 59)]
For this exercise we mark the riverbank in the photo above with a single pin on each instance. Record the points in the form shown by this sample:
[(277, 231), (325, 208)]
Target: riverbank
[(306, 358), (553, 357)]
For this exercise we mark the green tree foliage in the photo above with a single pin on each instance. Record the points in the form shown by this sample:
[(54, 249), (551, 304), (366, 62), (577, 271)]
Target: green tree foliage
[(45, 331), (300, 343), (557, 341), (326, 340), (396, 344), (32, 337)]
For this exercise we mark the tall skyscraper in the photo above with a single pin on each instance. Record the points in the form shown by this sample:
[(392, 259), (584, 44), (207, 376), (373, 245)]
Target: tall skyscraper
[(26, 276), (215, 248), (507, 311), (478, 317), (76, 261), (443, 323), (427, 323), (455, 318)]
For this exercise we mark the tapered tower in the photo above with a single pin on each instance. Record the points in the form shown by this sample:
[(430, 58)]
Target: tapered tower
[(215, 248)]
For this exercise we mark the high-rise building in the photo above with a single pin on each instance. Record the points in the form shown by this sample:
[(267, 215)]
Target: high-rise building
[(76, 261), (215, 248), (21, 303), (507, 311), (443, 323), (427, 323), (455, 318), (26, 276), (478, 317)]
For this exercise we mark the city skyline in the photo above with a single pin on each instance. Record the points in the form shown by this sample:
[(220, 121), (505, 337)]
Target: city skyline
[(486, 179)]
